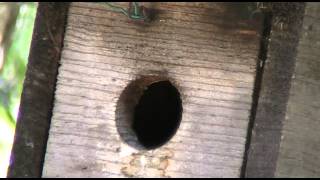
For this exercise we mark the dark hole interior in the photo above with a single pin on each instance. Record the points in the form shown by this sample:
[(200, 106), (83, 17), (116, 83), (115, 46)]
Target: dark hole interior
[(157, 115)]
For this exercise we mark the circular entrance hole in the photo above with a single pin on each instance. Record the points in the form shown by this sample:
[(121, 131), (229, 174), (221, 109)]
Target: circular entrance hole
[(157, 114), (149, 113)]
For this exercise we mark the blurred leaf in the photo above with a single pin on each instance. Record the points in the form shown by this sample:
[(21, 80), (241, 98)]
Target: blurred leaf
[(6, 118), (17, 54), (12, 76)]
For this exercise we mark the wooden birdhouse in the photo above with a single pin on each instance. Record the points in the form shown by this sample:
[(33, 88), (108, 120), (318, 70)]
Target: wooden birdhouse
[(197, 89)]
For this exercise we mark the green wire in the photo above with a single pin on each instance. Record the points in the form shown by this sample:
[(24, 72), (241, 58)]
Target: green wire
[(136, 14), (135, 8), (117, 9)]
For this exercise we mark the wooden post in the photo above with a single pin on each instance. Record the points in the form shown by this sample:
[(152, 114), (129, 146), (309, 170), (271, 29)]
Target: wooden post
[(38, 90), (299, 154), (267, 124)]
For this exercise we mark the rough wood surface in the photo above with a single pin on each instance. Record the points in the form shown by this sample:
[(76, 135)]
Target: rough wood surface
[(209, 50), (300, 145)]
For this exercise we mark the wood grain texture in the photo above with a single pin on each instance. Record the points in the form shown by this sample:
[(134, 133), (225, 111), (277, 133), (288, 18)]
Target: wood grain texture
[(300, 145), (208, 49)]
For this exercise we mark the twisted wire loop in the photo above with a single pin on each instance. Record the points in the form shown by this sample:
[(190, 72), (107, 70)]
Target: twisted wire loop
[(134, 11)]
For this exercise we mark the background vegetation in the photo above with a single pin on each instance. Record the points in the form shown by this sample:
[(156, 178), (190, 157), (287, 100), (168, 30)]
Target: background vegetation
[(16, 28)]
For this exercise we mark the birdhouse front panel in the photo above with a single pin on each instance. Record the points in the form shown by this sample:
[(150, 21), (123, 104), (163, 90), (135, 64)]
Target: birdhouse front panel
[(154, 90)]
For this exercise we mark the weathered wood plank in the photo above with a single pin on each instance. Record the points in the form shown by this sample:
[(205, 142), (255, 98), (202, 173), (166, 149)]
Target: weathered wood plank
[(209, 50), (300, 144)]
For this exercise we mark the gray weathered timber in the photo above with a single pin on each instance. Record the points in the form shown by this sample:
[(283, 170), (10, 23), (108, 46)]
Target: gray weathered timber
[(274, 92), (299, 154), (209, 50)]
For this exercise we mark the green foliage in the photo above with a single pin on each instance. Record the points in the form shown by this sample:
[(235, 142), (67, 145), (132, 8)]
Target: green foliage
[(11, 78)]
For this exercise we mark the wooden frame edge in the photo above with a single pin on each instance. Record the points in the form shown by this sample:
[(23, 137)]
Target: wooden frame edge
[(36, 105)]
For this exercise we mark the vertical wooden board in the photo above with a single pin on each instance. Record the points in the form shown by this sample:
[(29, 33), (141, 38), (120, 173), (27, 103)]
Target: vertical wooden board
[(300, 144), (209, 50), (31, 132), (278, 67)]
